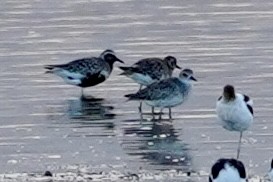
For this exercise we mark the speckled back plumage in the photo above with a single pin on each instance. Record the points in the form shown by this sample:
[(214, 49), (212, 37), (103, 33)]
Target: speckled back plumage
[(153, 67), (86, 72), (149, 70), (158, 90), (165, 93), (85, 66)]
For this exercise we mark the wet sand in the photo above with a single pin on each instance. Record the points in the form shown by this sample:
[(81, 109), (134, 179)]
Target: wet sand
[(46, 126)]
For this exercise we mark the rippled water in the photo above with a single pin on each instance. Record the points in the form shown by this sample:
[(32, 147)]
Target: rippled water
[(46, 125)]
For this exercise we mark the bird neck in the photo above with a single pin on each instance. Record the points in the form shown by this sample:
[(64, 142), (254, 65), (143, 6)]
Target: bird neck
[(111, 64), (229, 97)]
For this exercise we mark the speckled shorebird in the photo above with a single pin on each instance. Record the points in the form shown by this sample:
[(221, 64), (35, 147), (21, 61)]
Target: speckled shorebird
[(235, 112), (86, 72), (166, 93), (228, 170), (149, 70)]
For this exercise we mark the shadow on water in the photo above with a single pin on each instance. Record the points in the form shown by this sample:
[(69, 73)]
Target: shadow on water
[(90, 108), (86, 112), (157, 142), (90, 112)]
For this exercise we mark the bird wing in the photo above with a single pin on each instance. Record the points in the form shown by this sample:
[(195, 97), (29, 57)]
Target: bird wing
[(85, 66), (249, 103), (158, 90), (150, 66)]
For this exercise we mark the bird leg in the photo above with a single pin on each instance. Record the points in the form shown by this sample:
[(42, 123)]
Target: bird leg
[(82, 92), (160, 113), (141, 118), (140, 105), (239, 146), (153, 112), (170, 113)]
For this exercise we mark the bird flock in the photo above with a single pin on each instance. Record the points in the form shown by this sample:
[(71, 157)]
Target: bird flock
[(163, 90)]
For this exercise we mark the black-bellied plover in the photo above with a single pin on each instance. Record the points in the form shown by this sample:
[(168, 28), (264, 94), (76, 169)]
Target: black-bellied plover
[(86, 72), (166, 93), (149, 70)]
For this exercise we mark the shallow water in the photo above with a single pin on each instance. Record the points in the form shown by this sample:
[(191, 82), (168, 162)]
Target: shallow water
[(46, 126)]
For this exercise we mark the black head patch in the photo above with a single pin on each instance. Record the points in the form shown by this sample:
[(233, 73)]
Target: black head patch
[(220, 165), (229, 93)]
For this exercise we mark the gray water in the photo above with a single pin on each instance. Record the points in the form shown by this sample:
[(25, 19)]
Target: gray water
[(44, 125)]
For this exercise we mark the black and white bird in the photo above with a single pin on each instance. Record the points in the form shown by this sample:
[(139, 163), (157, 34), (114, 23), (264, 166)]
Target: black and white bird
[(270, 173), (86, 72), (166, 93), (228, 170), (149, 70), (235, 112)]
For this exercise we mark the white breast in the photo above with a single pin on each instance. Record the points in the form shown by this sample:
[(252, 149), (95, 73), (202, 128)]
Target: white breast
[(142, 79), (69, 77), (234, 115)]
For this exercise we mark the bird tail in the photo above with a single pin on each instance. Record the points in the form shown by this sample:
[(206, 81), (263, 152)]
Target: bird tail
[(132, 97), (49, 68), (127, 70)]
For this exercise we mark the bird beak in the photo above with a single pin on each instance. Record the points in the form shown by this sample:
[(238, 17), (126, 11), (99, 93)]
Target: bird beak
[(192, 78), (178, 67), (117, 59)]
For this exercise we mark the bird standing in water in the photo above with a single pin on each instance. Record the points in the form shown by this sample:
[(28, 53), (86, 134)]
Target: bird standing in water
[(149, 70), (166, 93), (86, 72), (235, 112)]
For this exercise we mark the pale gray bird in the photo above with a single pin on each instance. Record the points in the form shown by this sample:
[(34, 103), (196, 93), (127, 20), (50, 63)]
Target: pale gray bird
[(166, 93), (149, 70), (86, 72)]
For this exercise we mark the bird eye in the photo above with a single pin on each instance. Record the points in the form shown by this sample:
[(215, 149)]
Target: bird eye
[(184, 74)]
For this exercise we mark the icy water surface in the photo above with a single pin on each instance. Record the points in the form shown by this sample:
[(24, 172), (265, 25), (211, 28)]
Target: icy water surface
[(45, 125)]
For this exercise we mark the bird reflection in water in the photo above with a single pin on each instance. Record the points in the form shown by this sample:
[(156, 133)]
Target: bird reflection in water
[(158, 143), (89, 110)]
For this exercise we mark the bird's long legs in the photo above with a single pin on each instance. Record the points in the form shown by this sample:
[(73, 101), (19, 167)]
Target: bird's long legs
[(82, 93), (239, 145), (140, 104), (153, 112), (160, 113), (170, 113)]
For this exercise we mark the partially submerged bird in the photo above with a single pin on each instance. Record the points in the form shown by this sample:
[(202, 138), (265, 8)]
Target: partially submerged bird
[(228, 170), (235, 112), (149, 70), (166, 93), (86, 72)]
